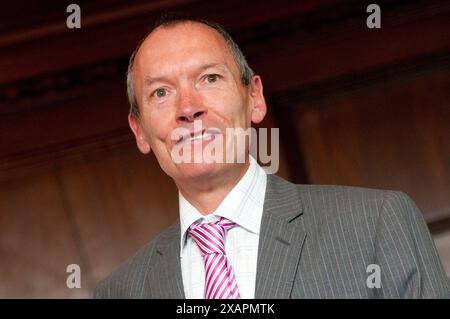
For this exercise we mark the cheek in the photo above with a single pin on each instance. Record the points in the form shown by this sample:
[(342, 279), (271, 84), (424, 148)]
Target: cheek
[(156, 129), (229, 106)]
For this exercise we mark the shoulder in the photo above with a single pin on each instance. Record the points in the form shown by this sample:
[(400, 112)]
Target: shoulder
[(338, 198), (324, 206), (127, 281)]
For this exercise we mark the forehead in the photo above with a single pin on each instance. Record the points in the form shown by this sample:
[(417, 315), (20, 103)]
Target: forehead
[(181, 45)]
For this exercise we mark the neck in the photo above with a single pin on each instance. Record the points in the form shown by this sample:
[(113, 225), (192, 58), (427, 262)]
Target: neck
[(207, 194)]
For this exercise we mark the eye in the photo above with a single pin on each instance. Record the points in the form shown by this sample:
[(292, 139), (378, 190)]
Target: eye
[(160, 92), (211, 78)]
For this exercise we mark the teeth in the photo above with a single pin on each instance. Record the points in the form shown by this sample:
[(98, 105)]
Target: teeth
[(207, 135), (196, 137), (199, 136)]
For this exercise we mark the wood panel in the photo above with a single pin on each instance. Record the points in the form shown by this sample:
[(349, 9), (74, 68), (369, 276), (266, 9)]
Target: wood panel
[(393, 135), (121, 202), (36, 239)]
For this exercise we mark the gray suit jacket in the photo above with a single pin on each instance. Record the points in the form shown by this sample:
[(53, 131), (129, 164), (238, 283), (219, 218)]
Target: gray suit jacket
[(315, 242)]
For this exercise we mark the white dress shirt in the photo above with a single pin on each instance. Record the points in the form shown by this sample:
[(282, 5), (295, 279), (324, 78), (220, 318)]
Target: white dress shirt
[(244, 206)]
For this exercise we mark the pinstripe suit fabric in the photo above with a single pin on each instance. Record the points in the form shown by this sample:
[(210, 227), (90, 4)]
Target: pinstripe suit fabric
[(315, 242)]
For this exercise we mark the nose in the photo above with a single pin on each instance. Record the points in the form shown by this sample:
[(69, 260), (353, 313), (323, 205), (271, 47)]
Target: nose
[(189, 108)]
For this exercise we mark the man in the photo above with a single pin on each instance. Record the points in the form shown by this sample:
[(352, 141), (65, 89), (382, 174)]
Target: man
[(242, 233)]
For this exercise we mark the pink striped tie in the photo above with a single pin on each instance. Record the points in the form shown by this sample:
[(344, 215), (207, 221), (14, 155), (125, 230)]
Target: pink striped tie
[(220, 282)]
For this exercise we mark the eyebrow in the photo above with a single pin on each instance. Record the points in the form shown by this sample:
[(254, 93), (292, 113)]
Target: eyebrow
[(213, 65), (148, 80)]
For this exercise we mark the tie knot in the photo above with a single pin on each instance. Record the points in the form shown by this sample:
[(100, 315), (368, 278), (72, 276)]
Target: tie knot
[(210, 237)]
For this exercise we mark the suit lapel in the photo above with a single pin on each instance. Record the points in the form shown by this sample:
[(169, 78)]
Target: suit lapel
[(281, 240), (166, 279)]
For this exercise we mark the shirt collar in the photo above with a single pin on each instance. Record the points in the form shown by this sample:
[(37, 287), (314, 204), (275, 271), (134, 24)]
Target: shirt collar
[(243, 204)]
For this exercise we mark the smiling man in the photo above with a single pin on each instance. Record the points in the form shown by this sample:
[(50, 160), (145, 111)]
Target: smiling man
[(184, 73), (243, 233)]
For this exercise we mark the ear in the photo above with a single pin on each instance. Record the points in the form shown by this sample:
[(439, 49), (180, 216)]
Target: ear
[(259, 108), (135, 125)]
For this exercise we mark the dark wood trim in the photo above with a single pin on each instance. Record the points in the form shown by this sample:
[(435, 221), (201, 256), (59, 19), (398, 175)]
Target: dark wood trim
[(439, 226), (91, 19), (34, 94), (398, 71)]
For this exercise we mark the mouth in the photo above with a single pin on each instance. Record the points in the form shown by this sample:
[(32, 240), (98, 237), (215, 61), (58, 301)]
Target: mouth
[(205, 134)]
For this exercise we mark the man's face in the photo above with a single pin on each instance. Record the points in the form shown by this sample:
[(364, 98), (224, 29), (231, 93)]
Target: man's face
[(184, 73)]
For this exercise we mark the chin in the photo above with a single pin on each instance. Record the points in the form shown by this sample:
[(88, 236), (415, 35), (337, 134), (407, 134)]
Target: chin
[(200, 170)]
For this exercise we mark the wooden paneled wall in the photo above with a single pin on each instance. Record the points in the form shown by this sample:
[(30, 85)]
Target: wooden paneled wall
[(94, 212), (393, 135), (354, 106)]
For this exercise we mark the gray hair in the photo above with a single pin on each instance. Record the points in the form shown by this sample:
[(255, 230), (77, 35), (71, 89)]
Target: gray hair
[(245, 71)]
